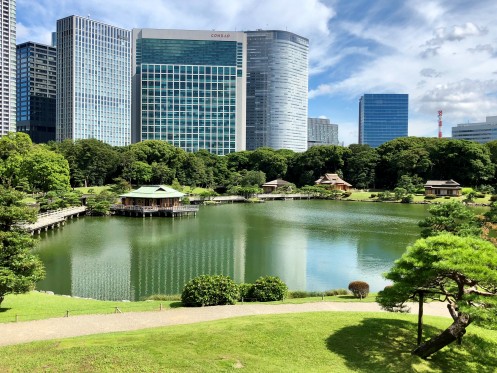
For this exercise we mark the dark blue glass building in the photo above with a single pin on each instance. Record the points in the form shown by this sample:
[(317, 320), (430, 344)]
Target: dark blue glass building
[(382, 117), (36, 80)]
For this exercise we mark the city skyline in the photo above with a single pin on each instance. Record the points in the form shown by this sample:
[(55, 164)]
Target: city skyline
[(441, 53)]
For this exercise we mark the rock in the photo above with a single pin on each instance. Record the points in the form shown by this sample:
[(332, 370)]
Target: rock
[(50, 293)]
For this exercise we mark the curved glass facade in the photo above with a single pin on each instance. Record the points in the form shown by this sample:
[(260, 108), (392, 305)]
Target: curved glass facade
[(382, 117), (277, 85)]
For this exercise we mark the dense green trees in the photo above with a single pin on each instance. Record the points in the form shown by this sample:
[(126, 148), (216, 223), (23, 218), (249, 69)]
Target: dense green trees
[(19, 268), (30, 167), (405, 163)]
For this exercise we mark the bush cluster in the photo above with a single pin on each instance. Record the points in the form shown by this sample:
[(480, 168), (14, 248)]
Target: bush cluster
[(209, 290), (360, 289), (269, 288), (430, 196)]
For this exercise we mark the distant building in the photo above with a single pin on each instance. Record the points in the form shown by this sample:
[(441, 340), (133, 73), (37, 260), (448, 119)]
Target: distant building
[(443, 188), (36, 83), (333, 181), (93, 81), (382, 117), (321, 132), (189, 88), (277, 86), (480, 132), (8, 67), (271, 186)]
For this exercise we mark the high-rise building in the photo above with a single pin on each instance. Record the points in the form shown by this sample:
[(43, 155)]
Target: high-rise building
[(8, 67), (189, 88), (480, 132), (93, 81), (321, 132), (382, 117), (277, 84), (36, 80)]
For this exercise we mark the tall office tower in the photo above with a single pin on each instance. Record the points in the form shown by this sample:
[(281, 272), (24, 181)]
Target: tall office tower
[(481, 132), (93, 81), (321, 132), (277, 81), (189, 88), (8, 67), (36, 80), (382, 117)]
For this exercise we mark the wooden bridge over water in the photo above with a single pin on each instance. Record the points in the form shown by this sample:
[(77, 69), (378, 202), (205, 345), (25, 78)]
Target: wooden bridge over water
[(53, 219)]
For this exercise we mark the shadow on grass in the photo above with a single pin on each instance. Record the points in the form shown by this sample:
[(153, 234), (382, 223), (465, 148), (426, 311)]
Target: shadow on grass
[(384, 345), (176, 305), (4, 309)]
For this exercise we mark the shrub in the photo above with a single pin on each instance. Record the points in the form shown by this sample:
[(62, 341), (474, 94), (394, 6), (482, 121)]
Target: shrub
[(246, 292), (298, 294), (269, 288), (430, 196), (480, 195), (333, 292), (447, 197), (347, 194), (493, 198), (360, 289), (164, 297), (373, 195), (209, 290), (407, 199)]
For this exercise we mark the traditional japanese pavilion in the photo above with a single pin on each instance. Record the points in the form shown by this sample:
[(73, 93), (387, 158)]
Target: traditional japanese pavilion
[(333, 181)]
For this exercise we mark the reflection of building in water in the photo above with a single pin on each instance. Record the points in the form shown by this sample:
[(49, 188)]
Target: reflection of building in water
[(374, 258), (166, 267), (284, 256), (104, 273)]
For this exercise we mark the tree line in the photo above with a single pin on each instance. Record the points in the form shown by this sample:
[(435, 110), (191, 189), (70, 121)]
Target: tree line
[(58, 165)]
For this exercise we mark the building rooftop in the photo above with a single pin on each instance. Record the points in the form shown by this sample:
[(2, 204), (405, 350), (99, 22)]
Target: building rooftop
[(154, 191)]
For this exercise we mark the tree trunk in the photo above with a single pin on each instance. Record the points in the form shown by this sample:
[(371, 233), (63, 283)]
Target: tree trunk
[(449, 335), (1, 298)]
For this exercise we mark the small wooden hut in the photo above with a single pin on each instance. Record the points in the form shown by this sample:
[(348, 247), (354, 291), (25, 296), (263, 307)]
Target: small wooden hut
[(333, 181), (270, 186), (442, 188)]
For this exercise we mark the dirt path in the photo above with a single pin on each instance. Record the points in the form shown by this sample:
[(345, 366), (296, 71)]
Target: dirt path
[(64, 327)]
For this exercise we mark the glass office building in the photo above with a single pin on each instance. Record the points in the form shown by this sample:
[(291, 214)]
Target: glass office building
[(382, 117), (36, 81), (189, 88), (321, 132), (277, 85), (8, 67), (93, 81), (481, 132)]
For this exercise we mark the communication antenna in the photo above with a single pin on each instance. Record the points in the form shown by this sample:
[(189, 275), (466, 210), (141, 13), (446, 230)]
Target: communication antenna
[(440, 124)]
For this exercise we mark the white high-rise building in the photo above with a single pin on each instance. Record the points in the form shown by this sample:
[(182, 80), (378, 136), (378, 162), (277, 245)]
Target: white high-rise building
[(481, 132), (277, 84), (93, 81), (8, 67)]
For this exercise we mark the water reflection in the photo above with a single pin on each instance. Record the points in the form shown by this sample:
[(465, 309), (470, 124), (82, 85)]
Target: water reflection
[(310, 245)]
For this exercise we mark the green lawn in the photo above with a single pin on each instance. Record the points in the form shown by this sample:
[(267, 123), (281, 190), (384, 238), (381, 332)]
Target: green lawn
[(306, 342), (96, 189), (37, 306), (365, 196)]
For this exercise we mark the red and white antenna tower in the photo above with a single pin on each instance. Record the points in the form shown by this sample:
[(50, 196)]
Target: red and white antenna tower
[(440, 124)]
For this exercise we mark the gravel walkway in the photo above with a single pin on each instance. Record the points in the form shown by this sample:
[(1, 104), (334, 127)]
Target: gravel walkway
[(73, 326)]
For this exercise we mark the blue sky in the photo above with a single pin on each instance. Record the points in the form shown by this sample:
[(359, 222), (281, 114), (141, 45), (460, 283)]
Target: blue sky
[(443, 53)]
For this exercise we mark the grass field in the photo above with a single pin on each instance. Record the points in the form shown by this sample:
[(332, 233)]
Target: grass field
[(366, 196), (37, 306), (306, 342), (95, 189)]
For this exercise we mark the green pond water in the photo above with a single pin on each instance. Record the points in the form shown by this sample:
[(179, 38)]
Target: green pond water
[(311, 245)]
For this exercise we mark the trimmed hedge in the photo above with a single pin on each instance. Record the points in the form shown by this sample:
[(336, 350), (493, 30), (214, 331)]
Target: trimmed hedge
[(360, 289), (269, 288), (209, 290)]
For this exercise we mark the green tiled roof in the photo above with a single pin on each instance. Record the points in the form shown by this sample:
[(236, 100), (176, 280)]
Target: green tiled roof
[(154, 191)]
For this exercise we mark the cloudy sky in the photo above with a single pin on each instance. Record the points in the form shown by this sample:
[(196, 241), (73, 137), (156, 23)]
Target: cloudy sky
[(443, 53)]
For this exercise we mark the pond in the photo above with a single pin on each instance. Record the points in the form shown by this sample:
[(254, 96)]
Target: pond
[(311, 245)]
